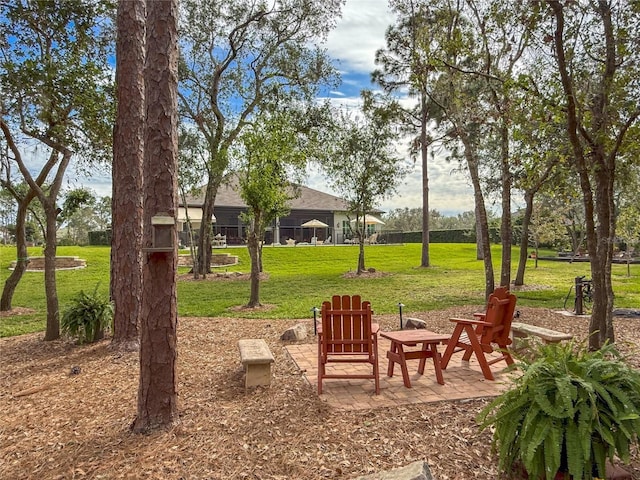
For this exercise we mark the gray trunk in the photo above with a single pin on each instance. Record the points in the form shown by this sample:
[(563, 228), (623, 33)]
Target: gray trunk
[(53, 314), (22, 259), (524, 241)]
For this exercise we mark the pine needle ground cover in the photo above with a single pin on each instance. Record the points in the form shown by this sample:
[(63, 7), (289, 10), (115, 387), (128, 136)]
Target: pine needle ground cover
[(60, 424)]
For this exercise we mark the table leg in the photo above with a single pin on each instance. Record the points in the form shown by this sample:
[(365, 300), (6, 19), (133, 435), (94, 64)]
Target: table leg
[(403, 367), (392, 354), (423, 358), (396, 355), (436, 363)]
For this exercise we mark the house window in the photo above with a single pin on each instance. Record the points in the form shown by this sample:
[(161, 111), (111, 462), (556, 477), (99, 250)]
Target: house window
[(346, 229)]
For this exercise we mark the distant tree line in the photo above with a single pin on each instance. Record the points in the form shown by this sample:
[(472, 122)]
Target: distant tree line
[(410, 220), (81, 213)]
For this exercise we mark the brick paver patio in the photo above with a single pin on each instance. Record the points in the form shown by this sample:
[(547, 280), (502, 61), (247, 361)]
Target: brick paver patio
[(463, 380)]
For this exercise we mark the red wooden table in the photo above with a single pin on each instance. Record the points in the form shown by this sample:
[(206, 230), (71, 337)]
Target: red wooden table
[(410, 338)]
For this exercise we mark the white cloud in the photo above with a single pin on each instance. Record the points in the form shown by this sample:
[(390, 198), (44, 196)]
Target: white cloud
[(449, 192), (360, 32)]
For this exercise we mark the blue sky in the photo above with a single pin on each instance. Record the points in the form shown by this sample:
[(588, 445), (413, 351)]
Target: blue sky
[(360, 32)]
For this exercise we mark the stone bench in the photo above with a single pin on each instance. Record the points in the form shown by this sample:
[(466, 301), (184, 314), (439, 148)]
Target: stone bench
[(521, 330), (415, 471), (256, 359)]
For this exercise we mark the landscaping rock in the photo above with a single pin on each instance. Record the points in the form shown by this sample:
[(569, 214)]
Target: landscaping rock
[(414, 471), (295, 333), (413, 323)]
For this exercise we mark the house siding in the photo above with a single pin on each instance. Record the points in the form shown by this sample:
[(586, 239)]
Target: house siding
[(310, 204)]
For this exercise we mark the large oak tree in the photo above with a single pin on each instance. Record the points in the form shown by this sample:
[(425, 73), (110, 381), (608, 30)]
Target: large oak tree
[(596, 50), (236, 57), (56, 96)]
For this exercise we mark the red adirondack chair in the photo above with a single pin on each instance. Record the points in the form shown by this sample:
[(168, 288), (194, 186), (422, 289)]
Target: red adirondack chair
[(347, 334), (489, 329)]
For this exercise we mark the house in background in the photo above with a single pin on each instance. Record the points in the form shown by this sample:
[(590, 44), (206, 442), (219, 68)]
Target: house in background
[(308, 205)]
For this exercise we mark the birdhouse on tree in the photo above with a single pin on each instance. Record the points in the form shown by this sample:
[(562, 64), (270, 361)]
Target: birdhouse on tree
[(163, 233)]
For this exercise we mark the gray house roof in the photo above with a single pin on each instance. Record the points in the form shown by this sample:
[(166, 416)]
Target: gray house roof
[(308, 199)]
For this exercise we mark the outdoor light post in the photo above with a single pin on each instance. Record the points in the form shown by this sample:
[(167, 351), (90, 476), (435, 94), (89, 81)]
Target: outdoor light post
[(400, 305), (578, 281), (315, 311)]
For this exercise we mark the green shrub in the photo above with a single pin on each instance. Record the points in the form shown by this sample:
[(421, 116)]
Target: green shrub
[(569, 411), (87, 317), (100, 237)]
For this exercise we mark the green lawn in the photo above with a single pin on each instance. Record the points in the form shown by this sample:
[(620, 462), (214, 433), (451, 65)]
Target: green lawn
[(302, 277)]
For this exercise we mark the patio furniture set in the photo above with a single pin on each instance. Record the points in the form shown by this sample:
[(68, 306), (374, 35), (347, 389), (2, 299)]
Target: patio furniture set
[(347, 334)]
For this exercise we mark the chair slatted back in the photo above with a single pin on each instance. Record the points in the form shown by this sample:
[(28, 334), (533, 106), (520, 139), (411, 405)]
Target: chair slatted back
[(346, 325), (499, 314)]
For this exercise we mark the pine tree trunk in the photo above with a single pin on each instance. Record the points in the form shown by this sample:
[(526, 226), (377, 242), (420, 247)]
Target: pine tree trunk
[(425, 261), (157, 393), (128, 157)]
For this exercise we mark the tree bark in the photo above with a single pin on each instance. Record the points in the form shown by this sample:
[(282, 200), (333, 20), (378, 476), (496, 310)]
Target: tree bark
[(157, 393), (203, 264), (479, 241), (524, 241), (22, 260), (253, 244), (51, 211), (529, 195), (53, 313), (361, 265), (506, 234), (481, 214), (128, 157)]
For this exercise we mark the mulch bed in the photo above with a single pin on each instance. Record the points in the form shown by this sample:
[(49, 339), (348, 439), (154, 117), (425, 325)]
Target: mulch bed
[(67, 409)]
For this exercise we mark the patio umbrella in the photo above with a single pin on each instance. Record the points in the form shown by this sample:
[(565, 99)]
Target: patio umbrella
[(315, 223), (370, 220)]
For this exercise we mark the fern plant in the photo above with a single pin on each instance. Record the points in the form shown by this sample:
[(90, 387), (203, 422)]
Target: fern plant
[(87, 317), (569, 411)]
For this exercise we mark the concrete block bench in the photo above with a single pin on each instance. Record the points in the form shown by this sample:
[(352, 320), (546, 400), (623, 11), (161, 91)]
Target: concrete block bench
[(415, 471), (256, 359), (521, 330)]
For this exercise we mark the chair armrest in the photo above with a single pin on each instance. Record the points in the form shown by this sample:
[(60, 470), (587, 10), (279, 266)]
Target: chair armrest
[(466, 321)]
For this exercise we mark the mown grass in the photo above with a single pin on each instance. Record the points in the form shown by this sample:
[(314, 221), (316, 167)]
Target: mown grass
[(302, 277)]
